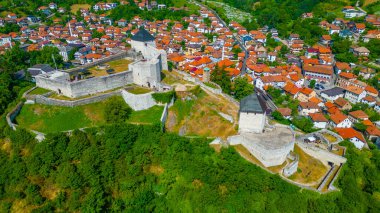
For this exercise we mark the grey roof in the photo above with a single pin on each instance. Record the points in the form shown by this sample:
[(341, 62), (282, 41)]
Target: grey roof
[(38, 68), (143, 36), (251, 103), (333, 91)]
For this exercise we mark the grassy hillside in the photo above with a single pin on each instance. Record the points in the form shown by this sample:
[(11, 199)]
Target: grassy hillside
[(50, 119)]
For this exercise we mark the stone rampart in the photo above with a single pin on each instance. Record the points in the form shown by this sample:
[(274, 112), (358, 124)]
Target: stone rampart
[(85, 87), (266, 155), (12, 115), (139, 102), (40, 99), (292, 167)]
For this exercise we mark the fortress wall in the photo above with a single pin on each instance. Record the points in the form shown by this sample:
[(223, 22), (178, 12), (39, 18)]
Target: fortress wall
[(138, 102), (40, 99), (54, 85), (268, 157), (100, 84), (87, 86)]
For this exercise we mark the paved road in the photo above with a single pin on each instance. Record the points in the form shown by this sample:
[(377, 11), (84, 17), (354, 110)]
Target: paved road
[(244, 67)]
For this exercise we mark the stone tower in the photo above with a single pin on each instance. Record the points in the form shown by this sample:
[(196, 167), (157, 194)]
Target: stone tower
[(251, 115), (206, 74)]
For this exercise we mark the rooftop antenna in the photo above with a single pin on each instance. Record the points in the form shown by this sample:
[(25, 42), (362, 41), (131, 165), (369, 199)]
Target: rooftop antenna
[(54, 62)]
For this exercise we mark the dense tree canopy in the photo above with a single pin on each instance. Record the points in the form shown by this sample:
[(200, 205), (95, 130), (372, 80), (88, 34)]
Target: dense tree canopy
[(126, 168), (242, 87)]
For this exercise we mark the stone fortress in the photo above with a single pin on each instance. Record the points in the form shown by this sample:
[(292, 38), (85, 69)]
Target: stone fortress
[(268, 144), (145, 70)]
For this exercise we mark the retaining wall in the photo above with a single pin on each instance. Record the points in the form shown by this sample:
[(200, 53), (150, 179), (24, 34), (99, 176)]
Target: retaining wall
[(292, 167), (12, 115), (40, 99), (138, 102), (219, 91), (321, 154)]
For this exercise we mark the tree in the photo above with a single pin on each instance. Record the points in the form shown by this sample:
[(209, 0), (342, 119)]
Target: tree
[(222, 78), (116, 110), (312, 84), (360, 126), (47, 55), (97, 34), (6, 92), (303, 123), (242, 87), (340, 45), (9, 27), (13, 60)]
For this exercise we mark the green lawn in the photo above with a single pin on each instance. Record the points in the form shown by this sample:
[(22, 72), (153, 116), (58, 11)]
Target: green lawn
[(39, 91), (49, 119), (139, 90), (148, 116)]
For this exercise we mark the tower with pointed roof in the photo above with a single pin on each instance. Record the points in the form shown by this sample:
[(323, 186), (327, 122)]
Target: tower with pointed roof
[(251, 115)]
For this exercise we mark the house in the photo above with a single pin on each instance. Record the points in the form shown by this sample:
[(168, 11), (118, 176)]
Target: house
[(341, 67), (122, 23), (285, 112), (39, 69), (5, 39), (334, 29), (366, 72), (305, 94), (318, 72), (357, 116), (352, 135), (352, 13), (305, 108), (332, 94), (326, 40), (347, 34), (64, 51), (361, 51), (53, 6), (275, 81), (370, 100), (354, 94), (360, 27), (319, 120), (372, 133), (291, 89), (340, 120), (342, 104)]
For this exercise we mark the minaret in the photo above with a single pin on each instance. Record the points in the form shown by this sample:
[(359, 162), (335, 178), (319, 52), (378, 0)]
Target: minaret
[(71, 33)]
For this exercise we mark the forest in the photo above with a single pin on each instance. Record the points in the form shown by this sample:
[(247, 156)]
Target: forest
[(139, 169)]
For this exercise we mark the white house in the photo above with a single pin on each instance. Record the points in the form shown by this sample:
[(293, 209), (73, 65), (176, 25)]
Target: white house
[(306, 108), (354, 94), (353, 136), (319, 120), (339, 120), (332, 94)]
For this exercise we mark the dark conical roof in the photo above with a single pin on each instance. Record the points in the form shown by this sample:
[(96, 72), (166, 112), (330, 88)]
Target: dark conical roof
[(143, 36), (251, 103)]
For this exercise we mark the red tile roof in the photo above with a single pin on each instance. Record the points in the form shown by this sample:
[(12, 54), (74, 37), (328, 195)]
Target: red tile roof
[(348, 133)]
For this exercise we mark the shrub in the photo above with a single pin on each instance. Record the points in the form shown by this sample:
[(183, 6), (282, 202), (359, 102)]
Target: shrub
[(116, 110), (164, 97)]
